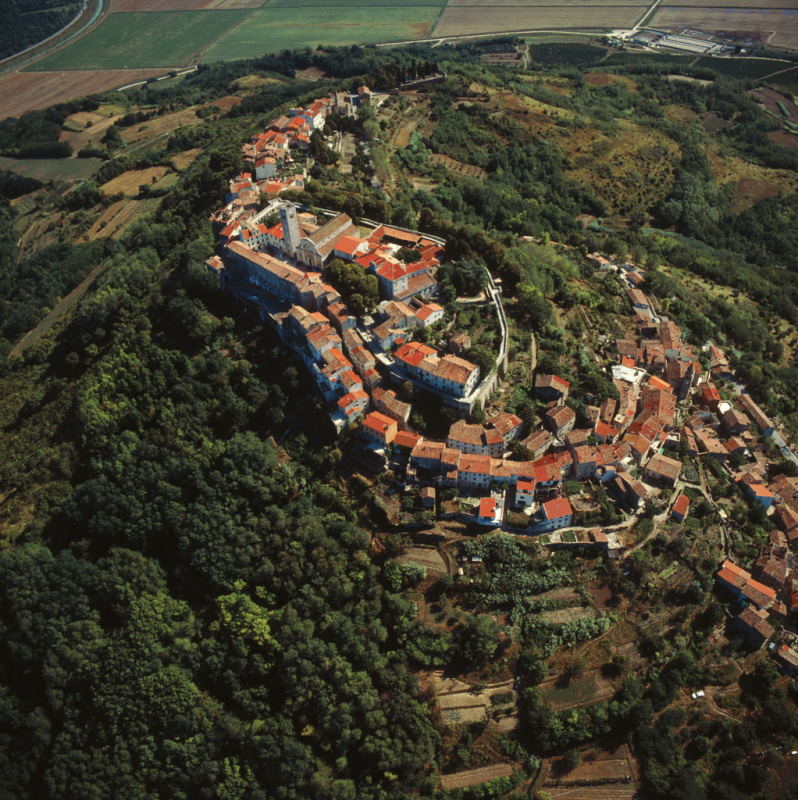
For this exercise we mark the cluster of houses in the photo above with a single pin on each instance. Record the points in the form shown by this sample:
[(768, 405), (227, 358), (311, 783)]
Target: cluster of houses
[(270, 157), (627, 437), (278, 270)]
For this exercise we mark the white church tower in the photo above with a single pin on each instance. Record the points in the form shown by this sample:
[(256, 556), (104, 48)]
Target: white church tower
[(291, 233)]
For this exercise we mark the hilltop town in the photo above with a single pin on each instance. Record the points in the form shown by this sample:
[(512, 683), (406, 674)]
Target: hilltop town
[(672, 409)]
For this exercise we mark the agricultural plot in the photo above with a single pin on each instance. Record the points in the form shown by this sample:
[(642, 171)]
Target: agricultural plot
[(184, 5), (128, 183), (354, 3), (474, 777), (458, 167), (464, 20), (740, 67), (143, 39), (26, 91), (52, 169), (589, 689), (483, 4), (273, 29), (775, 26)]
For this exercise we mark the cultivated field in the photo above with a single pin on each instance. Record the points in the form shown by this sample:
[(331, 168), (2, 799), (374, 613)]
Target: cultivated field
[(472, 777), (272, 29), (776, 26), (143, 39), (117, 217), (458, 167), (128, 183), (183, 5), (577, 6), (25, 91), (463, 20), (52, 169), (344, 4)]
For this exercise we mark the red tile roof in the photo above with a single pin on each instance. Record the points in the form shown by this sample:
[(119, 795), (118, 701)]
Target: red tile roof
[(555, 509), (682, 504), (487, 507)]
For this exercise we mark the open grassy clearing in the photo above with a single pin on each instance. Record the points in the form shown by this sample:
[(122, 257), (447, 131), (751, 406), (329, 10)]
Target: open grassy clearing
[(143, 39), (270, 30), (128, 183), (751, 182), (777, 27), (166, 123), (463, 20)]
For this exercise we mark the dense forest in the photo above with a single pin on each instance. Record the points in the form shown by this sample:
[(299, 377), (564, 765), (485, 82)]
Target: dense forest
[(195, 604), (25, 22)]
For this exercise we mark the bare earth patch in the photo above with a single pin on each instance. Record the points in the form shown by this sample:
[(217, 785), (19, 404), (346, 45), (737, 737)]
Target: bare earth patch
[(26, 91)]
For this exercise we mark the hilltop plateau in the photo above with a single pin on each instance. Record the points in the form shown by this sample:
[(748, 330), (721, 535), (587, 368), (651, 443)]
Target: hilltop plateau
[(405, 423)]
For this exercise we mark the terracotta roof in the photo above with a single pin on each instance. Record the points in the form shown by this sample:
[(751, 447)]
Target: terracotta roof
[(406, 439), (487, 507), (555, 509), (682, 504), (379, 423)]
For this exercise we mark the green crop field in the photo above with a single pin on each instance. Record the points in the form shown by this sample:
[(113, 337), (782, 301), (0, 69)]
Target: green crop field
[(354, 3), (270, 30), (740, 67), (144, 39), (52, 169)]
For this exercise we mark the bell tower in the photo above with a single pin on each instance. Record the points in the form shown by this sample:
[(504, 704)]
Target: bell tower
[(290, 227)]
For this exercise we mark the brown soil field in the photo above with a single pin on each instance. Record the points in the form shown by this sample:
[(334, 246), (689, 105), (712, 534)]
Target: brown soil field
[(611, 769), (463, 20), (186, 158), (25, 91), (128, 182), (770, 99), (782, 137), (749, 191), (310, 74), (777, 27), (160, 125), (472, 777), (226, 103), (183, 5)]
